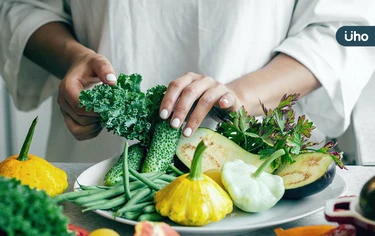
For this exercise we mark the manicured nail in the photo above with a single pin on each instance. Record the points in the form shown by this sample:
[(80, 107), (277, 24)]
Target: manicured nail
[(176, 122), (111, 77), (225, 100), (164, 114), (187, 132)]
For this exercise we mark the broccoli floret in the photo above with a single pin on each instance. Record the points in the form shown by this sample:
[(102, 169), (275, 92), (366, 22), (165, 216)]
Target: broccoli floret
[(26, 211)]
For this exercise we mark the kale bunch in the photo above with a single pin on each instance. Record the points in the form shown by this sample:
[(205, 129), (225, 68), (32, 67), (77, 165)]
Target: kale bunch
[(25, 211), (124, 108)]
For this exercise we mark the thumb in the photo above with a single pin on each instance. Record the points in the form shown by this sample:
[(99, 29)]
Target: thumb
[(104, 70)]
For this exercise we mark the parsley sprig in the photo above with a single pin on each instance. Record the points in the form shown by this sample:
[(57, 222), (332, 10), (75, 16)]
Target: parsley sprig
[(277, 129)]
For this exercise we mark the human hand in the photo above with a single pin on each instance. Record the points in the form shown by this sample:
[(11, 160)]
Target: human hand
[(195, 95), (85, 72)]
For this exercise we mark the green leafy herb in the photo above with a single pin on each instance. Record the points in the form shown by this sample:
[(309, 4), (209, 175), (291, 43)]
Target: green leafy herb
[(124, 108), (276, 130), (26, 211)]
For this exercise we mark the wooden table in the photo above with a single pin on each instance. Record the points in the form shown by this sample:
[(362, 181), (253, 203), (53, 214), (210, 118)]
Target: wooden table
[(355, 177)]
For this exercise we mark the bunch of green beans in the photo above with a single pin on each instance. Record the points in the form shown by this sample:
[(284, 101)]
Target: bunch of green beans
[(132, 199)]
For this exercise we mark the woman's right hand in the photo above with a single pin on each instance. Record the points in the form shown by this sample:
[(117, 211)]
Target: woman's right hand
[(86, 71)]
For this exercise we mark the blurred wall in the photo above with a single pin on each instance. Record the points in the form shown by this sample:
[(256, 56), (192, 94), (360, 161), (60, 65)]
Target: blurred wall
[(14, 125)]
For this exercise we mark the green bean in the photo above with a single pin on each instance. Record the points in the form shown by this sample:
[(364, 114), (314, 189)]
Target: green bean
[(114, 202), (105, 187), (87, 187), (138, 196), (125, 171), (93, 187), (109, 187), (148, 197), (150, 217), (132, 178), (161, 182), (111, 203), (74, 195), (175, 169), (147, 174), (104, 194), (132, 215), (109, 192), (146, 181), (152, 177), (149, 209), (89, 204), (137, 207), (168, 178)]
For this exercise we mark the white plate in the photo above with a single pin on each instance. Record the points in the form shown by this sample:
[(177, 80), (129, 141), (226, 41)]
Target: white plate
[(238, 221)]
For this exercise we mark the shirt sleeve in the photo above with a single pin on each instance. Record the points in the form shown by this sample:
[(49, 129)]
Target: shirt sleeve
[(342, 71), (27, 83)]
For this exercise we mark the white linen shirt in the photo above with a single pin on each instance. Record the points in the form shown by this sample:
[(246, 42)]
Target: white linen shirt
[(161, 40)]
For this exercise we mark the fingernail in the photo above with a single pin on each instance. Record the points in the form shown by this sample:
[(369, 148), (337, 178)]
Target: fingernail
[(187, 132), (164, 114), (225, 100), (111, 77), (176, 122)]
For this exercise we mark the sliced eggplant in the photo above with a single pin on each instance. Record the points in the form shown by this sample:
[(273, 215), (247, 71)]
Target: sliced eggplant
[(219, 151), (308, 175)]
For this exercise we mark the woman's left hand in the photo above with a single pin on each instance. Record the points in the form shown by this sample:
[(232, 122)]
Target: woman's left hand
[(192, 96)]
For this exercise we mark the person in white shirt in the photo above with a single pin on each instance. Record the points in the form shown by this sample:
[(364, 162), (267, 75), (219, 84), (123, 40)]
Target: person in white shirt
[(221, 53)]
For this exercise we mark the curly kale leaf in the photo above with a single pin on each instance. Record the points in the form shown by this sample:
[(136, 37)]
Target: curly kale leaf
[(124, 108), (276, 130), (30, 212)]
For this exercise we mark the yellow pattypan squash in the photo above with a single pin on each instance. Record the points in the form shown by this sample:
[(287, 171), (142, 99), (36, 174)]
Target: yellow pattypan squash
[(34, 171), (193, 199)]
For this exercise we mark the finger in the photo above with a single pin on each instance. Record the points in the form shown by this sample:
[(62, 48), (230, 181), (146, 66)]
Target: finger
[(189, 95), (228, 101), (104, 70), (81, 119), (69, 91), (203, 107), (173, 92), (81, 132)]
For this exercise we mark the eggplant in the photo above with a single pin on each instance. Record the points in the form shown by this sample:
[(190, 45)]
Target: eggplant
[(220, 150), (308, 175), (367, 199)]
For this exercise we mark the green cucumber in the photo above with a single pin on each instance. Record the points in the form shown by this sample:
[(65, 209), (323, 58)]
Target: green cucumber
[(162, 148), (136, 154)]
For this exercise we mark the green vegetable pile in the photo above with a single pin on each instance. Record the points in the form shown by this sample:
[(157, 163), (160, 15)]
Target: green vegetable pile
[(134, 114), (25, 211), (131, 198), (276, 130)]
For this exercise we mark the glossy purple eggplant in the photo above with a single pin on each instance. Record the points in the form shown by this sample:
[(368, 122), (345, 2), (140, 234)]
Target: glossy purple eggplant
[(311, 173)]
